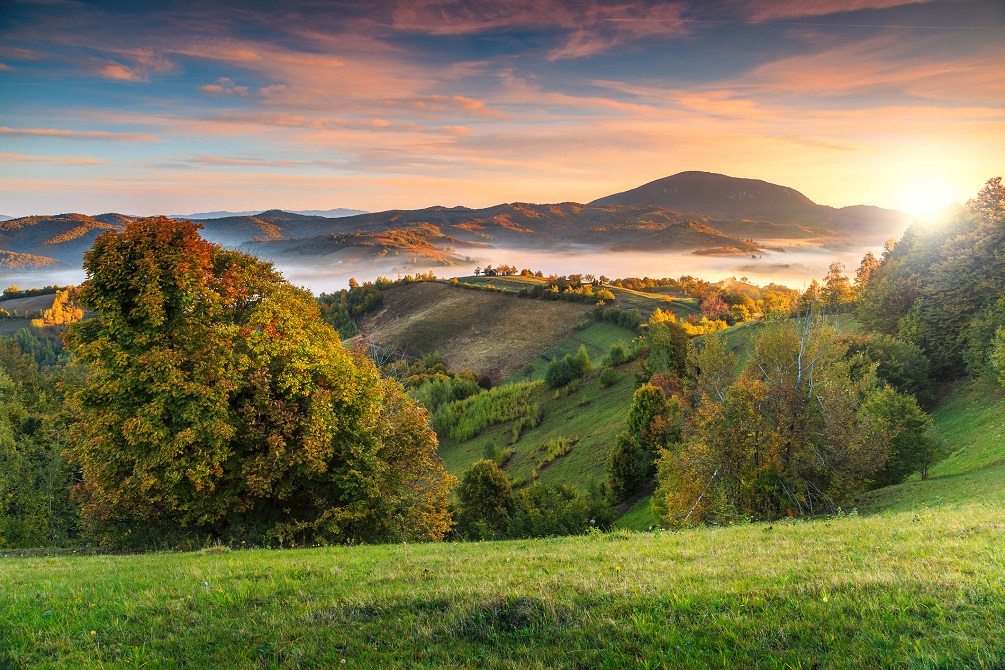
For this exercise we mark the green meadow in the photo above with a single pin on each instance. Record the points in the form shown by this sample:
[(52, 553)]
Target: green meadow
[(918, 582)]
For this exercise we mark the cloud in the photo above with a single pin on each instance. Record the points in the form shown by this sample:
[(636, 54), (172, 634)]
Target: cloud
[(224, 86), (768, 10), (76, 134), (55, 160), (4, 67), (119, 72), (886, 64)]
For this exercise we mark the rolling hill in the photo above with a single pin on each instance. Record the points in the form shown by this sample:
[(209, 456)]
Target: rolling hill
[(689, 212), (220, 214)]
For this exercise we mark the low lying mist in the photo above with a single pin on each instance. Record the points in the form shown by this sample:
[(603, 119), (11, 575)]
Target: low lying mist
[(794, 267)]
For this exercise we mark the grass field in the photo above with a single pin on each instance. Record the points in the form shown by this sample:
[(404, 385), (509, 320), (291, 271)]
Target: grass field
[(911, 590)]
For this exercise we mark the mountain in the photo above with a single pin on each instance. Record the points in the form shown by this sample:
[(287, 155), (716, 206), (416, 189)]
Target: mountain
[(4, 217), (697, 212), (755, 209), (513, 225), (330, 213)]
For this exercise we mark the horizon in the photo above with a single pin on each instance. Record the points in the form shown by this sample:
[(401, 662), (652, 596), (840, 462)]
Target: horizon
[(140, 110)]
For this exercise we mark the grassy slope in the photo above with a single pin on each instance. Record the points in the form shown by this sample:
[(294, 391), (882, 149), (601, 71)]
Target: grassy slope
[(476, 330), (597, 337), (971, 423), (906, 591), (591, 415)]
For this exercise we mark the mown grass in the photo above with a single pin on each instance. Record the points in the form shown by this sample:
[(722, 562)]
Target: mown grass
[(911, 590)]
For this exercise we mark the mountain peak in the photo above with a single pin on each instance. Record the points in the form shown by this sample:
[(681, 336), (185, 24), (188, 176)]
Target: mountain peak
[(716, 195)]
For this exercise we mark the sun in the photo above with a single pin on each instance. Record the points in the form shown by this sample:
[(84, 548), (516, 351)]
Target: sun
[(926, 197)]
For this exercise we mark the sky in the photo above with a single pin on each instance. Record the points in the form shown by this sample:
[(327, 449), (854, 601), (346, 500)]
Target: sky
[(178, 107)]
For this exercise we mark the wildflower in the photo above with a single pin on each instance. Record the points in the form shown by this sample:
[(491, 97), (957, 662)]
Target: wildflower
[(94, 632), (618, 568), (592, 521)]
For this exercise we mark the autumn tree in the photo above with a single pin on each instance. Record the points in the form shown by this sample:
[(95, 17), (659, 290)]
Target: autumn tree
[(220, 405), (801, 431)]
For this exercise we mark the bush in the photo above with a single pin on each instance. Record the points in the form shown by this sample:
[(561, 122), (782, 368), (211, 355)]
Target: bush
[(563, 370), (608, 377), (486, 501), (617, 354), (463, 419)]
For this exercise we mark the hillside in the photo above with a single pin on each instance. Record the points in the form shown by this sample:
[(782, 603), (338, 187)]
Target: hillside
[(488, 333), (11, 260), (64, 237), (752, 208)]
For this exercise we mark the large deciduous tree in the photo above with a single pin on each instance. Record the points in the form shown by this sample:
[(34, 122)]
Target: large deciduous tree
[(219, 405)]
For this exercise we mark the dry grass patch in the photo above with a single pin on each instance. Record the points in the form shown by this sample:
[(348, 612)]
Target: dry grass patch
[(485, 332)]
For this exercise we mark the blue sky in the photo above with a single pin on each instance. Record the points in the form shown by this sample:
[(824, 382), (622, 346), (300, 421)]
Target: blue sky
[(173, 107)]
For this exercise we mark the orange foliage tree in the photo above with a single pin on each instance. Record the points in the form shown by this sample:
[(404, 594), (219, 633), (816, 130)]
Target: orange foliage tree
[(220, 406)]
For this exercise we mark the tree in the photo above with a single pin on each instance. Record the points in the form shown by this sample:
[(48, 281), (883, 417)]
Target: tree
[(786, 438), (219, 404), (667, 348), (714, 307), (486, 501), (837, 292), (896, 420)]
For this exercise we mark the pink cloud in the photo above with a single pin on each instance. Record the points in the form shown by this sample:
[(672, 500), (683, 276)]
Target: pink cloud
[(119, 72), (224, 86), (767, 10), (24, 158), (76, 134), (4, 67)]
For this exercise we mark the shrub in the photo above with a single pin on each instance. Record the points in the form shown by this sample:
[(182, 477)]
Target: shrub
[(608, 377), (463, 419)]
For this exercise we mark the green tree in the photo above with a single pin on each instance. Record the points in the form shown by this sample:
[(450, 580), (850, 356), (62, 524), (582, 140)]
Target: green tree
[(486, 501), (837, 292), (667, 348), (220, 405), (896, 420)]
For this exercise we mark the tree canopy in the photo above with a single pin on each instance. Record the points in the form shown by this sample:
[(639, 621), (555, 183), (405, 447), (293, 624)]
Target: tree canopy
[(219, 404)]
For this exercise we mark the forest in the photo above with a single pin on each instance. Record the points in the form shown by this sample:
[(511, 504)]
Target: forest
[(205, 399)]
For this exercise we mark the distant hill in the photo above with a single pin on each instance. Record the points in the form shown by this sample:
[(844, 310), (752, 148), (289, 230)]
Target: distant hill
[(695, 212), (4, 217), (11, 260), (330, 213), (513, 225), (751, 208), (64, 237)]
